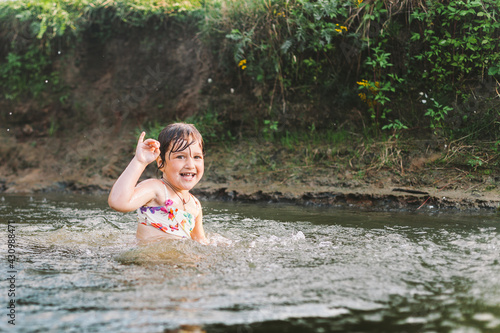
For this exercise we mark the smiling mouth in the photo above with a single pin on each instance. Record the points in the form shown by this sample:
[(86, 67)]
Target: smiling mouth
[(188, 174)]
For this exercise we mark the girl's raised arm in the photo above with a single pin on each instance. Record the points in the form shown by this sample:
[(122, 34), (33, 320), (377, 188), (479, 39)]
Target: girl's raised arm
[(125, 196)]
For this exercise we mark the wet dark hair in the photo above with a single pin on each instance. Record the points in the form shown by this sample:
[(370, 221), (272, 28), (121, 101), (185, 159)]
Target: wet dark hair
[(176, 138)]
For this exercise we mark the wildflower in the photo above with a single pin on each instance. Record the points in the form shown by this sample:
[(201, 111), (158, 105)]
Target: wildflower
[(242, 64), (363, 83), (372, 88), (358, 2), (339, 28), (278, 14)]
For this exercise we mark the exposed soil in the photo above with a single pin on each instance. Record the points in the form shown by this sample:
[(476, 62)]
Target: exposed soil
[(90, 163), (417, 183)]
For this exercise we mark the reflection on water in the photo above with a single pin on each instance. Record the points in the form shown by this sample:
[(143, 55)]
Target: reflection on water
[(269, 268)]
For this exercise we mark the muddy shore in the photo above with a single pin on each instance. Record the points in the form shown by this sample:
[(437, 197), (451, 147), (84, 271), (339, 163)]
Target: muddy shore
[(48, 165), (362, 197)]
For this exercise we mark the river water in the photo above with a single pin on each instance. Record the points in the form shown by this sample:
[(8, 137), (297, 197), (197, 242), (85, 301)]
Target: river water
[(270, 268)]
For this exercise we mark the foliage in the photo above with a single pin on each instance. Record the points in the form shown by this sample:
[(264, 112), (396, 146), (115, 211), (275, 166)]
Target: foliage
[(269, 128), (152, 130), (287, 46), (36, 31), (460, 43), (310, 50), (375, 56), (210, 126), (396, 126), (458, 48), (23, 72), (438, 114), (375, 93)]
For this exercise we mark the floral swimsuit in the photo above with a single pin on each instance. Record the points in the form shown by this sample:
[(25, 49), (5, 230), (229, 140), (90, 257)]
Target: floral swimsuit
[(167, 218)]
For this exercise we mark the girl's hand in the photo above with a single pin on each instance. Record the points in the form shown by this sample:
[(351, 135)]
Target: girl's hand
[(147, 151)]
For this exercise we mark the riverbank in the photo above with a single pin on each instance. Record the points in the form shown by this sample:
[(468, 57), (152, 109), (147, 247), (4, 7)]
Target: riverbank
[(401, 176), (310, 121)]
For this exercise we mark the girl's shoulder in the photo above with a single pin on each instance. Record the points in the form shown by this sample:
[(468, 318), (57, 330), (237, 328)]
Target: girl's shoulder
[(156, 186), (151, 182)]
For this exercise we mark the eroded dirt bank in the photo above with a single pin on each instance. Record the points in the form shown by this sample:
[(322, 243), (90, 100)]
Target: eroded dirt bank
[(366, 197), (90, 163)]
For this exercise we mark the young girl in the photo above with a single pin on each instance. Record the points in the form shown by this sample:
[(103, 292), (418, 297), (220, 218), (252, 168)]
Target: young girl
[(165, 208)]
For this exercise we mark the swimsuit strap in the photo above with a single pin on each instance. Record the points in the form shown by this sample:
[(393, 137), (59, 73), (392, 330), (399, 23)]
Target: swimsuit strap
[(166, 195), (194, 198), (166, 191)]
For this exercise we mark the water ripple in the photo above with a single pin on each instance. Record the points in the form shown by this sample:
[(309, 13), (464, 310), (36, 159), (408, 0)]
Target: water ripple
[(294, 267)]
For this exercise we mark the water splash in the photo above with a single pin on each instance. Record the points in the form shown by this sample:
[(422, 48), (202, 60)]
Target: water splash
[(333, 270)]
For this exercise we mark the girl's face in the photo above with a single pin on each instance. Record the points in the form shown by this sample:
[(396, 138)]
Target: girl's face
[(184, 169)]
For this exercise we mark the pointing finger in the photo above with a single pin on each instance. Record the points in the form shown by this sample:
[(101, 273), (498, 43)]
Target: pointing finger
[(141, 138)]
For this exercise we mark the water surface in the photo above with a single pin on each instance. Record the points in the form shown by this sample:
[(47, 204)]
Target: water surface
[(269, 268)]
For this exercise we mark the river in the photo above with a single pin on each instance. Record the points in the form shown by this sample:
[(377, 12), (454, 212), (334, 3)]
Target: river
[(269, 268)]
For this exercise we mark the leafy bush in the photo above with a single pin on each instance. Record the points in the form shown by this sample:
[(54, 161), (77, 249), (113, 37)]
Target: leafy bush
[(305, 61), (36, 30), (460, 43), (287, 47)]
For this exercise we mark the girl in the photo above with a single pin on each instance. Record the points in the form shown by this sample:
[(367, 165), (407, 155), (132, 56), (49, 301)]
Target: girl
[(165, 208)]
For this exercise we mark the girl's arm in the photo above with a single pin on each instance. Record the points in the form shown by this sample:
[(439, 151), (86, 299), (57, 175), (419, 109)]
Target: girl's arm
[(198, 234), (125, 196)]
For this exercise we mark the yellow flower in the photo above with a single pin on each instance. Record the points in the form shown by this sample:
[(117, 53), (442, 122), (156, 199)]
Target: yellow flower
[(339, 28), (242, 62), (243, 67), (363, 83)]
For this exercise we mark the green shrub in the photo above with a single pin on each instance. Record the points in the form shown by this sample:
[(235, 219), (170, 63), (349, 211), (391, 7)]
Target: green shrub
[(459, 47)]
